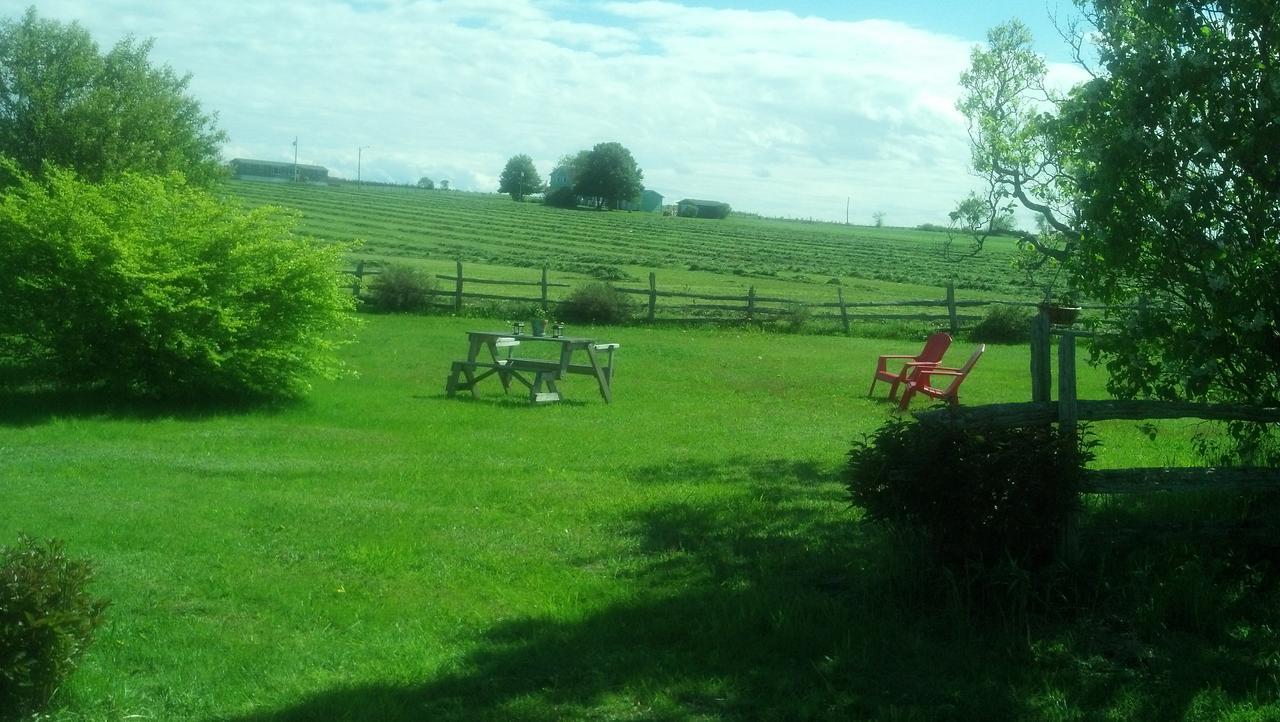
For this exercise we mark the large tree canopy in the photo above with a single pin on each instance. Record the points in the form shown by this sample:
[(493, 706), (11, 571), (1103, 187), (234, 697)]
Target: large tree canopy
[(1178, 147), (609, 173), (64, 103), (1161, 177), (519, 178)]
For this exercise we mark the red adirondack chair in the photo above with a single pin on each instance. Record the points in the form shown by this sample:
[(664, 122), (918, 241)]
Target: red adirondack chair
[(921, 381), (934, 347)]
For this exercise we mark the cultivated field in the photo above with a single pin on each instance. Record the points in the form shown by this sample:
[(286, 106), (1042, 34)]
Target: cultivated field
[(502, 238)]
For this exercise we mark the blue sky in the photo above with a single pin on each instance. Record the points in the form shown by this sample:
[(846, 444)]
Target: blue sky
[(786, 109)]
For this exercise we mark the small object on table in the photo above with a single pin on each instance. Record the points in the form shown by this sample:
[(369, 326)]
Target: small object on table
[(519, 327), (558, 329)]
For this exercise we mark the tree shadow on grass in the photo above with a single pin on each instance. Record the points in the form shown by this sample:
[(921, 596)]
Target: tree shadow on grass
[(774, 605), (36, 406)]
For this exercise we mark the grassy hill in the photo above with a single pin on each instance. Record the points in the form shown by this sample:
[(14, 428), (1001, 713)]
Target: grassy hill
[(795, 258)]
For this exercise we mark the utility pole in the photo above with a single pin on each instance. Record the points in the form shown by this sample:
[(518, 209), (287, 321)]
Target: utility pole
[(359, 157), (846, 210), (295, 159)]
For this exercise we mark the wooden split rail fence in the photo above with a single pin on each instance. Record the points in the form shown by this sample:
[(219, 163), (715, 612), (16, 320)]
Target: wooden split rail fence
[(945, 312), (1068, 411)]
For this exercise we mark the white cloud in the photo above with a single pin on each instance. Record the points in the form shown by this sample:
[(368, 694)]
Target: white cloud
[(769, 111)]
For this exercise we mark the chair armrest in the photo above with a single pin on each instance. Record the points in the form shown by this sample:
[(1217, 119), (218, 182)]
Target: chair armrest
[(940, 372)]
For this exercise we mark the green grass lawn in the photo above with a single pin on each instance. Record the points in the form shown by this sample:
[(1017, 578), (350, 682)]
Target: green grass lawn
[(380, 552)]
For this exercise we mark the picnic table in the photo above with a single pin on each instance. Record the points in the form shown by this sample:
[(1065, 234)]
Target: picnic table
[(492, 353)]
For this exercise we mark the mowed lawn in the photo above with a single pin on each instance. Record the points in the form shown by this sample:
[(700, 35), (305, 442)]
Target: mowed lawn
[(381, 552)]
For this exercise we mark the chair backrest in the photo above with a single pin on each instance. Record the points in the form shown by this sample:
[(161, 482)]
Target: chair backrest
[(934, 347), (968, 366)]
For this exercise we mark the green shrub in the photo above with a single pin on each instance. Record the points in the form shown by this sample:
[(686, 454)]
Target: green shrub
[(148, 286), (401, 288), (1002, 324), (596, 303), (977, 495), (793, 318), (562, 197), (47, 618)]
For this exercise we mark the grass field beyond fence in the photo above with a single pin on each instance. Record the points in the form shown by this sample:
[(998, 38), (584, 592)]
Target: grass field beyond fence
[(780, 258), (685, 553)]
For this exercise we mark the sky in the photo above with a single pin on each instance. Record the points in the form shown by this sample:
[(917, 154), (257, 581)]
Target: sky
[(806, 109)]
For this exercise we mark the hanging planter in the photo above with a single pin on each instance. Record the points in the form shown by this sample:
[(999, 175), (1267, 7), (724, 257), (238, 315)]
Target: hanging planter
[(1059, 314)]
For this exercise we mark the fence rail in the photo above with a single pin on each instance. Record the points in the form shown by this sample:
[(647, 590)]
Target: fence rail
[(1068, 411), (712, 307)]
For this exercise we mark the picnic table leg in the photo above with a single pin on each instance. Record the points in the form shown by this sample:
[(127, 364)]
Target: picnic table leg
[(537, 395), (451, 381), (601, 377)]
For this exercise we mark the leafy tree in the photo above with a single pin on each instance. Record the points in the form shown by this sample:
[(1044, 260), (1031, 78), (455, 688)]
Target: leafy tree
[(148, 286), (64, 103), (1160, 178), (878, 219), (427, 183), (444, 185), (1178, 157), (608, 173), (978, 218), (1014, 137), (519, 178)]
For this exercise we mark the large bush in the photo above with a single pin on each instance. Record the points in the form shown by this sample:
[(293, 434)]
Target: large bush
[(562, 197), (977, 495), (1002, 324), (596, 303), (47, 618), (149, 286), (401, 288)]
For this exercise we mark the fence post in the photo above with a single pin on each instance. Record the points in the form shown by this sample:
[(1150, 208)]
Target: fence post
[(1041, 373), (457, 293), (544, 287), (355, 287), (1067, 411), (844, 312), (951, 308), (653, 294), (751, 303)]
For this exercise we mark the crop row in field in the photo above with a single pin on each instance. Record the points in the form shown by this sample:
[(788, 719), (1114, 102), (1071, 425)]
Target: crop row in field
[(620, 246)]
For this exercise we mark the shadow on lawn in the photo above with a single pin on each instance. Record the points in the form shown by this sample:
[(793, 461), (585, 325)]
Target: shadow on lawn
[(774, 605), (38, 406)]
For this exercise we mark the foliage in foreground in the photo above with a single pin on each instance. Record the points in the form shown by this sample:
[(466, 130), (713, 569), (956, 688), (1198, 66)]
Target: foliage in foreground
[(148, 286), (977, 495), (1179, 142), (402, 288), (65, 103), (47, 618), (1155, 180)]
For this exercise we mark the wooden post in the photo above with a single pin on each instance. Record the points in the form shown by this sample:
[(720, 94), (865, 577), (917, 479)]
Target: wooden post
[(653, 294), (457, 293), (1068, 415), (1041, 372), (359, 282), (844, 312), (751, 303), (544, 287), (951, 308)]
